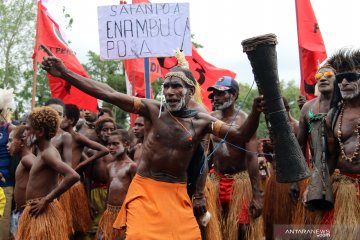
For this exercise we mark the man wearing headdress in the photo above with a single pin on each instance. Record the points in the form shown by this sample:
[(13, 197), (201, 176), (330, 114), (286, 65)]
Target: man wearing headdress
[(235, 173), (311, 129), (343, 126), (157, 205)]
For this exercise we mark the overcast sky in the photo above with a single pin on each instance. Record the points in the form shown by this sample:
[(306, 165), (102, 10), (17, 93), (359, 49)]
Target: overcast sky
[(220, 26)]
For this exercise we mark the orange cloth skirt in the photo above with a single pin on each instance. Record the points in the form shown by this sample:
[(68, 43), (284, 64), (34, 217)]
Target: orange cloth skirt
[(157, 210)]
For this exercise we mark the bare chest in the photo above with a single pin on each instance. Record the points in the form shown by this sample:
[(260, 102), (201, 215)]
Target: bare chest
[(347, 126), (177, 134)]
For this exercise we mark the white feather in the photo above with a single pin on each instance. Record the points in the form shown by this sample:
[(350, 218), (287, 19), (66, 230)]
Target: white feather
[(7, 99)]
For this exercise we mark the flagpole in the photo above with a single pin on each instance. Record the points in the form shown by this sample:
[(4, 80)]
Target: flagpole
[(35, 59), (147, 77), (300, 59)]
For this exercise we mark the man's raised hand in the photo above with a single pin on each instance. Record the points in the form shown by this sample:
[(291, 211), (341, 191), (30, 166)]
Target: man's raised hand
[(47, 51), (52, 64)]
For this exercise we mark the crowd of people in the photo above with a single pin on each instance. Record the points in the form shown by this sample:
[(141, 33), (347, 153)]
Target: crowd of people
[(181, 172)]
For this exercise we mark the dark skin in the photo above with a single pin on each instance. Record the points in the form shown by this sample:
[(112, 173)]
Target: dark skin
[(166, 149), (98, 170), (120, 172), (18, 146), (321, 104), (350, 120), (139, 134), (229, 159), (44, 175), (88, 125), (62, 140), (79, 142), (301, 101)]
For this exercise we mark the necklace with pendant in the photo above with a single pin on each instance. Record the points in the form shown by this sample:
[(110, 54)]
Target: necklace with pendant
[(190, 138)]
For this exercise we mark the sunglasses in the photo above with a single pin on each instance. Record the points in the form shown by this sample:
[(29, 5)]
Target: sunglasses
[(319, 75), (349, 76)]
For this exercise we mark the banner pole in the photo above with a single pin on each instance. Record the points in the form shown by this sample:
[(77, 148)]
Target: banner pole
[(33, 94), (147, 77)]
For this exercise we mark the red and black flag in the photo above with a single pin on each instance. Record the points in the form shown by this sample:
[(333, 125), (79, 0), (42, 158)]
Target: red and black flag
[(50, 33), (311, 47)]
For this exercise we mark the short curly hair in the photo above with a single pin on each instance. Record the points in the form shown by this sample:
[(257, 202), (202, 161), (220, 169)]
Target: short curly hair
[(45, 118), (100, 123)]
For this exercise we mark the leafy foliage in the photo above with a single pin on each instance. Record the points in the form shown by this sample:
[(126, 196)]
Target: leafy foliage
[(249, 92), (111, 73), (17, 21)]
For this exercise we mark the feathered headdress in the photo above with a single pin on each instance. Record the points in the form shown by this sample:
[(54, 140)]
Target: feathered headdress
[(182, 62), (6, 103), (189, 80)]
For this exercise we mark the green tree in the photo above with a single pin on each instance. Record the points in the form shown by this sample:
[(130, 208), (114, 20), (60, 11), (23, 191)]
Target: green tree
[(17, 21), (42, 94), (109, 72), (249, 92)]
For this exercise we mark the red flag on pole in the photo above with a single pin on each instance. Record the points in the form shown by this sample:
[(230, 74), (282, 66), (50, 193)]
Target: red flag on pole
[(205, 73), (49, 34), (311, 46)]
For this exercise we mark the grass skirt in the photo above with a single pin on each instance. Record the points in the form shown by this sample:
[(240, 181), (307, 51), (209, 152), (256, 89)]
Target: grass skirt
[(347, 207), (238, 208), (105, 230), (277, 206), (80, 209), (65, 202), (213, 231), (49, 225)]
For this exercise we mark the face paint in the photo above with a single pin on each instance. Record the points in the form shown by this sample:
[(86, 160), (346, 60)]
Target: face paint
[(350, 90), (222, 100), (115, 145), (31, 140), (175, 93), (173, 107), (225, 105)]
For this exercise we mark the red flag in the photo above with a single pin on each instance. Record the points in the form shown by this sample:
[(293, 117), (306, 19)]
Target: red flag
[(311, 46), (49, 34), (205, 73)]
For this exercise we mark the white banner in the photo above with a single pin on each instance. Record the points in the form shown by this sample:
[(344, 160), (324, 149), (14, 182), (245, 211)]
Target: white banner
[(144, 30)]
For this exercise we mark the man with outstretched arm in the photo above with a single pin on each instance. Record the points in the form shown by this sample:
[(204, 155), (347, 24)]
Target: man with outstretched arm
[(172, 134)]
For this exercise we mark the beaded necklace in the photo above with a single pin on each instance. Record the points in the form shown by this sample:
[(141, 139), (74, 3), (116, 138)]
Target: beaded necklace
[(356, 131)]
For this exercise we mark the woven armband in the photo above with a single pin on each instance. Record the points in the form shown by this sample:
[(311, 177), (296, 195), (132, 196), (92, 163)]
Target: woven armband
[(197, 196), (216, 127), (136, 105)]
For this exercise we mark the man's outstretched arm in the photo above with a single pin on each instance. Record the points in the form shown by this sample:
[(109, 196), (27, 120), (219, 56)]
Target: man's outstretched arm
[(56, 68), (239, 134)]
